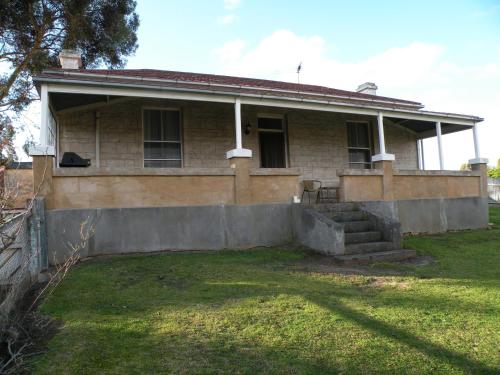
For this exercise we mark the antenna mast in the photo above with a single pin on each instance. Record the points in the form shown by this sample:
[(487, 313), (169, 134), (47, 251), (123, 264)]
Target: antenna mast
[(299, 68)]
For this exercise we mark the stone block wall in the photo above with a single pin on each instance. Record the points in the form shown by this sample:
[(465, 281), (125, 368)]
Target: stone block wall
[(318, 144), (208, 133), (77, 134), (121, 136), (317, 141), (403, 144)]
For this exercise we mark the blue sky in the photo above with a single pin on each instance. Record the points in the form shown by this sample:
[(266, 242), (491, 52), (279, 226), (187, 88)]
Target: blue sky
[(186, 32), (445, 54)]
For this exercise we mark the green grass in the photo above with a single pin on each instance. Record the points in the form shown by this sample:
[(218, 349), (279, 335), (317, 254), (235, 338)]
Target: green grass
[(257, 312)]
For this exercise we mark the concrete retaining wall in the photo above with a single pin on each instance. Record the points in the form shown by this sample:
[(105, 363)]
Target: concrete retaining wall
[(316, 231), (433, 215), (147, 229), (125, 230)]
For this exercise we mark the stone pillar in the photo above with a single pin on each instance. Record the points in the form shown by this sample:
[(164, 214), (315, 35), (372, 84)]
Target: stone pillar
[(481, 166), (242, 187), (387, 178), (43, 170)]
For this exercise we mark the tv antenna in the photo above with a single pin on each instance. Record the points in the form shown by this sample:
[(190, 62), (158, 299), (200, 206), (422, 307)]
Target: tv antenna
[(299, 68)]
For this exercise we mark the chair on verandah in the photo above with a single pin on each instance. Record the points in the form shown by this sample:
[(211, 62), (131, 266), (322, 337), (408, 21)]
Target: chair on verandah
[(311, 187), (328, 194)]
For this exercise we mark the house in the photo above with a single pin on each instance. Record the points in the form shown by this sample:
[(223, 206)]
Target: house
[(199, 161), (16, 184)]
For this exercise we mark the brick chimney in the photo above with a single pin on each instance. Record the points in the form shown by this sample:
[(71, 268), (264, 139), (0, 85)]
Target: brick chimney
[(367, 88), (70, 59)]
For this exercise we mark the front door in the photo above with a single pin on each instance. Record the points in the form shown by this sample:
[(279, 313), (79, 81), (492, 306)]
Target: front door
[(272, 143)]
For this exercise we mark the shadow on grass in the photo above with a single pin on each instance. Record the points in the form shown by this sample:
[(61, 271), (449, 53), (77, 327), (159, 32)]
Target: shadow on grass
[(458, 360), (101, 296), (213, 286)]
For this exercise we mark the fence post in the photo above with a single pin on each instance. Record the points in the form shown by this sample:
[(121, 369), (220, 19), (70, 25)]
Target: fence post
[(41, 233)]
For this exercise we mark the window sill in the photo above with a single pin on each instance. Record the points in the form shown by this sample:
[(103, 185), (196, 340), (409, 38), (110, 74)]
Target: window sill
[(275, 172)]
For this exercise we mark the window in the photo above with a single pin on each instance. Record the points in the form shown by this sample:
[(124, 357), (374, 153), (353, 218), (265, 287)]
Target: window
[(272, 142), (162, 138), (358, 143)]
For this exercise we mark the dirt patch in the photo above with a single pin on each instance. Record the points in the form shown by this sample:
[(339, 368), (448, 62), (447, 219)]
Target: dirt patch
[(171, 281), (314, 262), (378, 282), (29, 332), (422, 260)]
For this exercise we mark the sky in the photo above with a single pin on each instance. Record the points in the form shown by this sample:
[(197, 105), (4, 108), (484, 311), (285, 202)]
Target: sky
[(445, 54)]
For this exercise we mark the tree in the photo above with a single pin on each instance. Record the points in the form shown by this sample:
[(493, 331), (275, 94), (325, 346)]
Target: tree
[(33, 33), (7, 133), (465, 167), (494, 172)]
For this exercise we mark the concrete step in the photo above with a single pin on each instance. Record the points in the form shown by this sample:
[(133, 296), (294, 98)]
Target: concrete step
[(368, 247), (360, 237), (336, 207), (382, 256), (343, 216), (329, 200), (357, 226)]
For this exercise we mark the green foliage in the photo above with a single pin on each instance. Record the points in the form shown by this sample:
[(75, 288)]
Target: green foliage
[(494, 172), (33, 32), (465, 167), (271, 311), (7, 134)]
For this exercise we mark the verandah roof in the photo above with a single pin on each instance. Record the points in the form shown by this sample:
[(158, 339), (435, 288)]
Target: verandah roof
[(71, 88)]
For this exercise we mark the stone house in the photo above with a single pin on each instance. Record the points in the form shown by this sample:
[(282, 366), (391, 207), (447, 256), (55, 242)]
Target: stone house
[(224, 160), (16, 184)]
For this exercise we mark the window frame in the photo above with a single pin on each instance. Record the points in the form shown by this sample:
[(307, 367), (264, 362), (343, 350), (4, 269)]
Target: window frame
[(181, 136), (283, 130), (370, 144)]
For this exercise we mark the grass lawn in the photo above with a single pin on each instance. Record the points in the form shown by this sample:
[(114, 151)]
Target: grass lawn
[(263, 312)]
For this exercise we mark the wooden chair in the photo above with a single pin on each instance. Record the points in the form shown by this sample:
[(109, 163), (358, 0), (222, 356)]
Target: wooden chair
[(311, 187)]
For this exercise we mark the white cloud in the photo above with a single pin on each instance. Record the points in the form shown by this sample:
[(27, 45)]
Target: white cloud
[(231, 4), (226, 20), (230, 51), (418, 71)]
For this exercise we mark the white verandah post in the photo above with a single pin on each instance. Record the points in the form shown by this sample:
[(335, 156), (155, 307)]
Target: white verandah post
[(44, 118), (381, 140), (477, 152), (420, 154), (237, 123), (440, 145), (43, 147), (239, 151)]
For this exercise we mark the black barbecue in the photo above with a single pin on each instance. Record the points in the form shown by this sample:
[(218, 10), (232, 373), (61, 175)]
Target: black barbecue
[(72, 160)]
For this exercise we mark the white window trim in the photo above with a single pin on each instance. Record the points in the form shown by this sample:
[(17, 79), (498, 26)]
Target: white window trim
[(181, 133), (359, 148), (283, 130)]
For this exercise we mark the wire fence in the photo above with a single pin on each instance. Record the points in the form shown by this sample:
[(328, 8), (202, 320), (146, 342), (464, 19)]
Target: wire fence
[(494, 189)]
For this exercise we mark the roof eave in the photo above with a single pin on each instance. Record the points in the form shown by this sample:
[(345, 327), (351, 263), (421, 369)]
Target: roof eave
[(368, 99), (371, 106)]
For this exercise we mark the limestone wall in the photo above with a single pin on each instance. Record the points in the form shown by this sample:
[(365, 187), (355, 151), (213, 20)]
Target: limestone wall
[(317, 141)]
